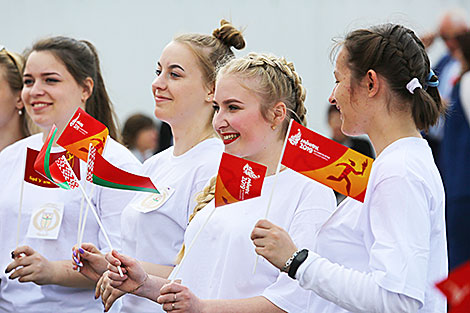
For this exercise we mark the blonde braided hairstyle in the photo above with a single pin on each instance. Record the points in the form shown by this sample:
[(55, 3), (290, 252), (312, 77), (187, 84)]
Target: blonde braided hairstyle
[(276, 81)]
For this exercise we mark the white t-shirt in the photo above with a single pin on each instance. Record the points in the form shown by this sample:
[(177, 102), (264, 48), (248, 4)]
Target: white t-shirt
[(220, 264), (29, 297), (157, 235), (397, 235)]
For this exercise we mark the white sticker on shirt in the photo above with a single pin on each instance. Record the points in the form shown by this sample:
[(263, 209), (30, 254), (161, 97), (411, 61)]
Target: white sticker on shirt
[(148, 202), (45, 221)]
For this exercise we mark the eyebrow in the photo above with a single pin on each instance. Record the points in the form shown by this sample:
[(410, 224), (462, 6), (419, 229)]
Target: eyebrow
[(172, 66), (43, 74), (231, 100)]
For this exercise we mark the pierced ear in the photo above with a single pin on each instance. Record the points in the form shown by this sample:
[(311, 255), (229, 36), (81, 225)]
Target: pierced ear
[(279, 112), (372, 83), (210, 97), (87, 89), (19, 103)]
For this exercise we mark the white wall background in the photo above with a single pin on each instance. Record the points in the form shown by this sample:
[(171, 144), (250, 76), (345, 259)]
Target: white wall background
[(130, 35)]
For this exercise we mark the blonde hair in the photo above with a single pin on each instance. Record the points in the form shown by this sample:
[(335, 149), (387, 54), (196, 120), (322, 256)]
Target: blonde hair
[(277, 81), (13, 65), (213, 51)]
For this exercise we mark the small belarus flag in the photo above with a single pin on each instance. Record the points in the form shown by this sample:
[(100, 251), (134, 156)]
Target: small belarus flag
[(46, 166), (33, 177), (238, 179), (457, 289), (103, 173), (327, 161), (67, 172), (82, 130)]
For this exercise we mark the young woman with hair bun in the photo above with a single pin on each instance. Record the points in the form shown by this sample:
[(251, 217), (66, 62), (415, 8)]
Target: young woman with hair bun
[(255, 97), (60, 75), (386, 254), (153, 227)]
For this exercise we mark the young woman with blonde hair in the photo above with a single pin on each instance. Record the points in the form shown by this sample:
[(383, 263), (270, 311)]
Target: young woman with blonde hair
[(153, 226), (254, 100), (15, 124)]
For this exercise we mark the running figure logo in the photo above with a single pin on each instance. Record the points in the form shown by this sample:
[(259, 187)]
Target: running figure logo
[(348, 168)]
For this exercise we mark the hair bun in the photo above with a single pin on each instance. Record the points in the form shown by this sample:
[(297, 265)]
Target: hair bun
[(229, 35)]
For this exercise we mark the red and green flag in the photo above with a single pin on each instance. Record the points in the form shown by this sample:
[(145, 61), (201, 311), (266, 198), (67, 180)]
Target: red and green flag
[(81, 130), (33, 177), (456, 288), (103, 173), (45, 163), (326, 161), (238, 179)]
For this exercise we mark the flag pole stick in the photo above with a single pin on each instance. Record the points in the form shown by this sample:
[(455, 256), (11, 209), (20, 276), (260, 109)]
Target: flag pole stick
[(84, 219), (83, 222), (20, 207), (80, 222), (278, 169), (19, 213), (94, 212), (173, 276)]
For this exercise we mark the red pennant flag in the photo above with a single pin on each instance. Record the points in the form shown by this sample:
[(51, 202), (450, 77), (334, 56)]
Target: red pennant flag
[(82, 130), (33, 177), (327, 161), (47, 167), (105, 174), (457, 289), (238, 179)]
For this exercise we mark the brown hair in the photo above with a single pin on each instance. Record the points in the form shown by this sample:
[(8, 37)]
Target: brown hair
[(133, 125), (398, 55), (81, 60), (13, 65)]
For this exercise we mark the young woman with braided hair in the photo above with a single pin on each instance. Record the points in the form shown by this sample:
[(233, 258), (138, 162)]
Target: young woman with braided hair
[(255, 98), (386, 254), (153, 226)]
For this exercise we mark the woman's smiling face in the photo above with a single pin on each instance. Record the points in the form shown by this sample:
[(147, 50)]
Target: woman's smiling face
[(238, 119)]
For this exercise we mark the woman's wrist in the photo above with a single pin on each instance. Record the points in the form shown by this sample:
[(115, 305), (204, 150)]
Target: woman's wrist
[(297, 259)]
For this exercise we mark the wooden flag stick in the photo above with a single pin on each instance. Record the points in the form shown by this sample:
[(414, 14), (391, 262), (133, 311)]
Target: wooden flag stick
[(94, 211), (174, 274), (278, 169)]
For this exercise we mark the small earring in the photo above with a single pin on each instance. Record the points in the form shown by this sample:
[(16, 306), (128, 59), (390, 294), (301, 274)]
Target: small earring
[(20, 112), (273, 127), (208, 99)]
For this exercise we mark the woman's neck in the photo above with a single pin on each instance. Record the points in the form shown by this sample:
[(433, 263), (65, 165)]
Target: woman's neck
[(188, 136), (391, 127), (11, 132)]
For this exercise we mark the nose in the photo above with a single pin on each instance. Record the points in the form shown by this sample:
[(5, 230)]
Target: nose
[(159, 83), (332, 98), (219, 122), (36, 89)]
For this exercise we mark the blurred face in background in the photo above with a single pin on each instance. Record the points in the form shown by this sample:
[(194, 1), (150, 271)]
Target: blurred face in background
[(147, 140)]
